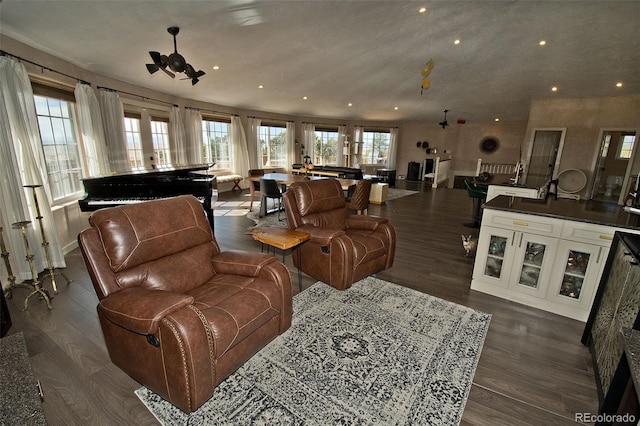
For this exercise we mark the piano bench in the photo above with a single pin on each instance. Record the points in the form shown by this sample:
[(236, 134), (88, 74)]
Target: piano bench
[(236, 179)]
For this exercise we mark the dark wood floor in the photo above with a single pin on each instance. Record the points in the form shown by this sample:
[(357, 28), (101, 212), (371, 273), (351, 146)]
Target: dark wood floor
[(533, 369)]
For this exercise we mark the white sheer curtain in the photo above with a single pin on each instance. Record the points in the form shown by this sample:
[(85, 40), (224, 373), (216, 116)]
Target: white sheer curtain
[(253, 143), (291, 144), (342, 136), (193, 131), (90, 123), (239, 149), (23, 163), (113, 119), (309, 140), (393, 148), (178, 138)]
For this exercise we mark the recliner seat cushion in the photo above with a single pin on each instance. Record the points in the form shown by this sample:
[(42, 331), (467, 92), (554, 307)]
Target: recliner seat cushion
[(235, 307), (366, 246)]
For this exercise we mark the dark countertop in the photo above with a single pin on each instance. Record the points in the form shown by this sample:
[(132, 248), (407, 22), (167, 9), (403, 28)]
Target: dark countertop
[(580, 211), (631, 339)]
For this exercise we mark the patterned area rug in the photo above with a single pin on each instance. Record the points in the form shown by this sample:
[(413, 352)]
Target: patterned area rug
[(393, 193), (377, 353), (270, 220)]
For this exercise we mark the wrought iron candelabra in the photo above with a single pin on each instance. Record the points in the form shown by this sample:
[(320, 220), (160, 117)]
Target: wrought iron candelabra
[(7, 264), (45, 244), (34, 285)]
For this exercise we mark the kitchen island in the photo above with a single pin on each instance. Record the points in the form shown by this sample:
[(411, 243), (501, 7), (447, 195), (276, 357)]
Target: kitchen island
[(548, 254)]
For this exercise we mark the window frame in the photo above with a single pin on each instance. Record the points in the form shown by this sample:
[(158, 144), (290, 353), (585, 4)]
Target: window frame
[(265, 148), (324, 143), (625, 147), (72, 173), (135, 150), (161, 141), (208, 154), (365, 146)]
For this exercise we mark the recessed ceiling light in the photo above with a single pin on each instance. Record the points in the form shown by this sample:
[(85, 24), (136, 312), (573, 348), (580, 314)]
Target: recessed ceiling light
[(304, 97), (261, 87), (350, 104), (496, 119), (422, 10), (619, 84), (396, 108), (554, 89), (542, 43), (215, 67), (457, 41)]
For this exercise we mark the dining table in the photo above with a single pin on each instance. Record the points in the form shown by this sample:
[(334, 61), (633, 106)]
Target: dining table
[(286, 179)]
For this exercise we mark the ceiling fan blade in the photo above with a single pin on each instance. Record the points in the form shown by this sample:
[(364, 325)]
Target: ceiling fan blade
[(169, 73), (152, 68), (156, 57)]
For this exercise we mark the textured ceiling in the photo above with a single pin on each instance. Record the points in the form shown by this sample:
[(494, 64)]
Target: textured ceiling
[(369, 53)]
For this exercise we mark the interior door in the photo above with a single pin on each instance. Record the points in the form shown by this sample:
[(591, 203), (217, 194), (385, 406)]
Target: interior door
[(544, 157), (617, 148)]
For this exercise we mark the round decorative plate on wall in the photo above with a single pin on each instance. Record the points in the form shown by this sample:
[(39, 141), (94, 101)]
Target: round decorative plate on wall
[(489, 145)]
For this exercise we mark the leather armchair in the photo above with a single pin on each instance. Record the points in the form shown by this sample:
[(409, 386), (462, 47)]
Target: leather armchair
[(343, 248), (177, 314)]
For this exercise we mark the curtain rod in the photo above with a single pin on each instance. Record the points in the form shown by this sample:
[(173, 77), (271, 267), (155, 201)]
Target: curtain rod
[(212, 111), (4, 53), (270, 119), (144, 98), (375, 127), (323, 124)]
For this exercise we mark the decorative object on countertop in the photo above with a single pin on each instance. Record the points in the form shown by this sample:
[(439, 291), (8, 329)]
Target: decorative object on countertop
[(570, 182)]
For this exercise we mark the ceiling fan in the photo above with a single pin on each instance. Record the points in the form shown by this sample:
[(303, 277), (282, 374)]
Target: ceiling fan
[(175, 62), (444, 123)]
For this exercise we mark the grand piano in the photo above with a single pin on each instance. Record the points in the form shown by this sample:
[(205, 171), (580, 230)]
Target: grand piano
[(128, 188)]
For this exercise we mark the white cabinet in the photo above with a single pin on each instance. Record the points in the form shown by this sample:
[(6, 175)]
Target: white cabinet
[(576, 274), (548, 263), (515, 260)]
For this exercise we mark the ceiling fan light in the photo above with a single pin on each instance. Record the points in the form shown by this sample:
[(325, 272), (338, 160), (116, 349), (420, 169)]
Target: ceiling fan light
[(177, 62)]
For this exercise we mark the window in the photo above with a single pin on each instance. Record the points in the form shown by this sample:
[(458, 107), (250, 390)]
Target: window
[(626, 145), (216, 147), (273, 146), (134, 145), (56, 122), (375, 147), (160, 140), (326, 147)]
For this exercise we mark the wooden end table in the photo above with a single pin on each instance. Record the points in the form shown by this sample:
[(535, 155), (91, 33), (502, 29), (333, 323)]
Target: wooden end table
[(282, 238)]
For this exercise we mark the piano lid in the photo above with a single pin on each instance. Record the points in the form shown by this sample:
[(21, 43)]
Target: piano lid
[(157, 171)]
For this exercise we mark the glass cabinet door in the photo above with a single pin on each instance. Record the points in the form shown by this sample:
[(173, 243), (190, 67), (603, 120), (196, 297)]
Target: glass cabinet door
[(578, 267), (534, 260), (494, 255)]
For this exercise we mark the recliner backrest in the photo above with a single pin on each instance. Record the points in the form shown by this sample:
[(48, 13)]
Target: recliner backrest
[(316, 202), (163, 244)]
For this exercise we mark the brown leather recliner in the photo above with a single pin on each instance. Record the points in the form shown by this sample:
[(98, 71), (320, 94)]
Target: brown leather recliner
[(177, 314), (343, 248)]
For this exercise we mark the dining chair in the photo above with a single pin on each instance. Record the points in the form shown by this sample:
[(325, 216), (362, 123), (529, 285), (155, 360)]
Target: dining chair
[(269, 188), (255, 186)]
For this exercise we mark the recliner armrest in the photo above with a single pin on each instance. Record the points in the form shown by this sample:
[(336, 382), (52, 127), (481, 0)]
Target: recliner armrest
[(322, 236), (141, 310), (365, 222), (237, 262)]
